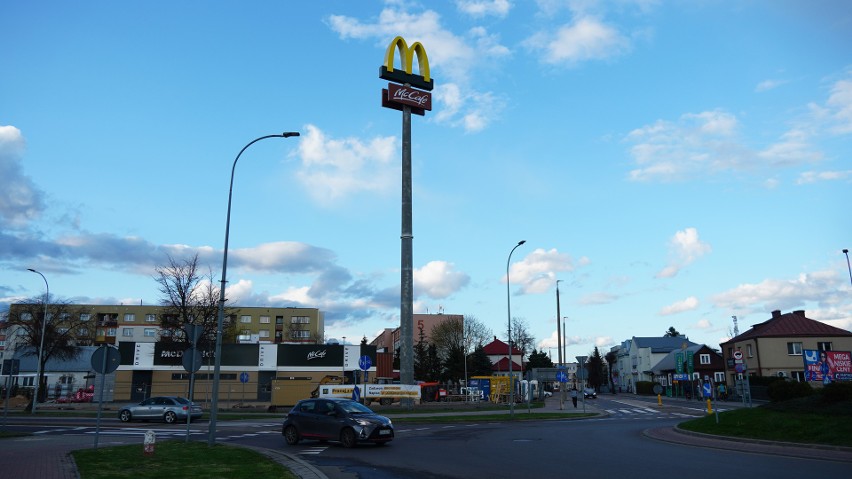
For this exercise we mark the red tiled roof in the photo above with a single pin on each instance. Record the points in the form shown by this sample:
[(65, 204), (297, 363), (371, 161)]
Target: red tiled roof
[(793, 324), (497, 348), (503, 365)]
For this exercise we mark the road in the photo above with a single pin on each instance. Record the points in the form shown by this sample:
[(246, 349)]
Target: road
[(606, 446)]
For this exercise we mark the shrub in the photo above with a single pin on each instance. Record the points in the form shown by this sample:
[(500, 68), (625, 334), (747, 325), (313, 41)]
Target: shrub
[(784, 390), (645, 387), (837, 392)]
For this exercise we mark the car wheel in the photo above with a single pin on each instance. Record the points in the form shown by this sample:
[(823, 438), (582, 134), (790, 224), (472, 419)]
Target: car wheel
[(170, 417), (291, 435), (125, 416), (347, 437)]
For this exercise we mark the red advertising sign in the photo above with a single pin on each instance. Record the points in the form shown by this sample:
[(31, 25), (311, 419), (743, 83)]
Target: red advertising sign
[(827, 366), (409, 96)]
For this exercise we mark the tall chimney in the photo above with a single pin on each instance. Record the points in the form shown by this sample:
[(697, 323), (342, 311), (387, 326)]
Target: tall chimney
[(776, 314)]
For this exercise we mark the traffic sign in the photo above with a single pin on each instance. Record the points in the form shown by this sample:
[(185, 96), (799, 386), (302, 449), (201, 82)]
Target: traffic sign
[(561, 376), (707, 390), (738, 355), (191, 360), (244, 377), (365, 363), (105, 359)]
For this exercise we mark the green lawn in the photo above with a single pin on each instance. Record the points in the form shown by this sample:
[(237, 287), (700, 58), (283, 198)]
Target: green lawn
[(803, 421), (177, 459)]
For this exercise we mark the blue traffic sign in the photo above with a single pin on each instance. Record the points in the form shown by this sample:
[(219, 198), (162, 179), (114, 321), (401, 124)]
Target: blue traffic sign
[(561, 376), (707, 390), (365, 363), (244, 377)]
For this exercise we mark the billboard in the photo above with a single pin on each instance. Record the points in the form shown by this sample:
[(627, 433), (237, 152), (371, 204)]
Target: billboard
[(827, 366)]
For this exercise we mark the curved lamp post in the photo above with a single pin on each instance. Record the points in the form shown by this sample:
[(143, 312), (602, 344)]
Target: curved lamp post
[(509, 306), (43, 332), (846, 252), (221, 317)]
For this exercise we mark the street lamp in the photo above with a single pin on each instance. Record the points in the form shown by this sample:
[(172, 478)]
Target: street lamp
[(509, 307), (221, 319), (41, 344), (846, 252)]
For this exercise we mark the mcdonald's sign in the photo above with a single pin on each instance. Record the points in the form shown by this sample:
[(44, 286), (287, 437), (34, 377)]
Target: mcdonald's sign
[(406, 57)]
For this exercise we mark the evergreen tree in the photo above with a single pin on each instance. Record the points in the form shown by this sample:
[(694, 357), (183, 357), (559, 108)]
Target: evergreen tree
[(538, 360), (596, 374), (478, 363)]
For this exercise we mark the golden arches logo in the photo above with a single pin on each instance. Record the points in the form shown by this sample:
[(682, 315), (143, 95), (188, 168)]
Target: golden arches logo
[(406, 56)]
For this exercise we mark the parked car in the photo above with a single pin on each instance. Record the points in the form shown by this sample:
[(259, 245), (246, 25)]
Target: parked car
[(336, 419), (170, 409), (589, 393)]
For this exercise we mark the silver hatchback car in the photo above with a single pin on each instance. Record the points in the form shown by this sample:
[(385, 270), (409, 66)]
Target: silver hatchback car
[(170, 409)]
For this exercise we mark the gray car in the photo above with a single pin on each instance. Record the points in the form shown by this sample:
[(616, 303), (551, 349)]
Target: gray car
[(336, 419), (170, 409)]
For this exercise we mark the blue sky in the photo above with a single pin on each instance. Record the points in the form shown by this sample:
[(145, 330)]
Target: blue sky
[(672, 163)]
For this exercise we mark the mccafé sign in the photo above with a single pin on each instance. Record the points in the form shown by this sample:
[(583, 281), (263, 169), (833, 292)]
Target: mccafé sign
[(403, 92)]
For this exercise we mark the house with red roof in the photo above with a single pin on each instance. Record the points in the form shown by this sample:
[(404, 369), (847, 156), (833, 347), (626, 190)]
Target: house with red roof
[(775, 347), (498, 353)]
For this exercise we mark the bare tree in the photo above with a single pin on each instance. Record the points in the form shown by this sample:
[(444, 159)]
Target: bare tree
[(190, 298), (521, 336), (67, 329)]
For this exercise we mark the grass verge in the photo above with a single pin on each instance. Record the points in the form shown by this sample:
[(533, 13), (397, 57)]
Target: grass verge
[(177, 459), (789, 423)]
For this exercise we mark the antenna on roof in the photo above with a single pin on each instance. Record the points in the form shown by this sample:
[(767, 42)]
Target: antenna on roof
[(736, 329)]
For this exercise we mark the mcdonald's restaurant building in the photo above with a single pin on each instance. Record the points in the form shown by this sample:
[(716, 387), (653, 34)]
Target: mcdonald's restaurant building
[(248, 372)]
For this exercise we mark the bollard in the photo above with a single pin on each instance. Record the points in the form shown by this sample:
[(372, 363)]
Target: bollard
[(709, 407), (148, 444), (659, 400)]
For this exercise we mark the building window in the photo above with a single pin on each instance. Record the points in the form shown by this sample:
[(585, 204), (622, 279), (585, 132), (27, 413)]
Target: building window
[(127, 332), (245, 319), (264, 320), (264, 333), (798, 376), (110, 332), (150, 318), (26, 317), (704, 358), (749, 352), (129, 317), (279, 320), (85, 316), (300, 334), (245, 332), (824, 346), (794, 349), (718, 377), (150, 332), (300, 320), (64, 317)]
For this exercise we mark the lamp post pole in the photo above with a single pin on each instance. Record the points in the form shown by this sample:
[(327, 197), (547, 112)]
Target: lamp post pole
[(211, 439), (846, 252), (41, 341), (559, 343), (509, 308)]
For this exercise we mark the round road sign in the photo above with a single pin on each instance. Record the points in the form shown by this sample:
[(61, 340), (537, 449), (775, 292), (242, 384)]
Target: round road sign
[(738, 355)]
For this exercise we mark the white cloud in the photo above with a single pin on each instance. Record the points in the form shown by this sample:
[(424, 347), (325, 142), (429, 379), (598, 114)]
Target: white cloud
[(771, 294), (767, 85), (333, 169), (481, 8), (602, 342), (815, 176), (687, 304), (20, 199), (684, 247), (839, 104), (237, 292), (586, 38), (537, 271), (597, 298), (438, 279), (703, 324)]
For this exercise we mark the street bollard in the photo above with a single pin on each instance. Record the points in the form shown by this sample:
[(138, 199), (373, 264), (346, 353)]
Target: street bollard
[(659, 400), (148, 444), (709, 407)]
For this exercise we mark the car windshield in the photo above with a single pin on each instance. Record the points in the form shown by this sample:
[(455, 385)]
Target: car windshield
[(354, 407), (182, 400)]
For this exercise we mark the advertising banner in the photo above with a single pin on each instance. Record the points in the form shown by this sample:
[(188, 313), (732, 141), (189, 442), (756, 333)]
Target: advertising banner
[(827, 366)]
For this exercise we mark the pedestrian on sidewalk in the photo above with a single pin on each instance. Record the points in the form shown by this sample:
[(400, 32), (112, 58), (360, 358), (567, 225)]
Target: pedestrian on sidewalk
[(574, 396)]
